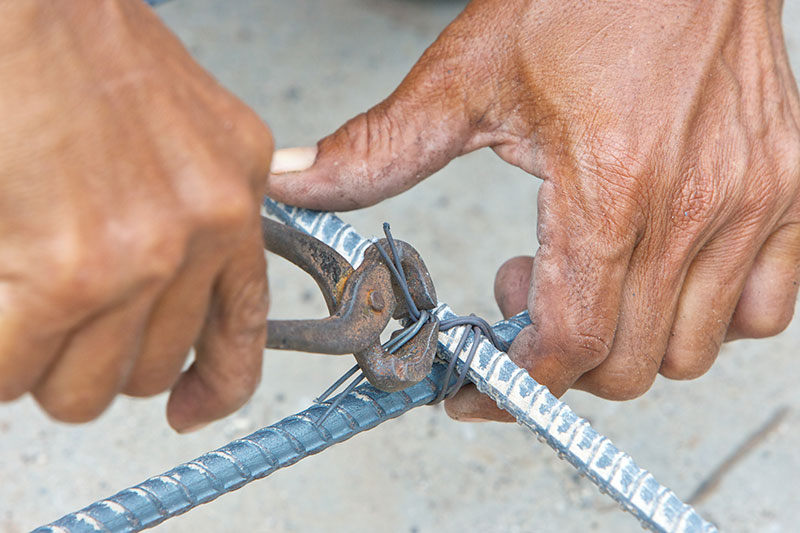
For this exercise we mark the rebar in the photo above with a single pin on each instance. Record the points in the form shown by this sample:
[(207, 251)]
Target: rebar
[(244, 460), (613, 471), (572, 437), (265, 451)]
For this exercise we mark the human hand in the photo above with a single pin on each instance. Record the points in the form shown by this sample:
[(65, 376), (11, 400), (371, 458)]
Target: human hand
[(666, 135), (130, 189)]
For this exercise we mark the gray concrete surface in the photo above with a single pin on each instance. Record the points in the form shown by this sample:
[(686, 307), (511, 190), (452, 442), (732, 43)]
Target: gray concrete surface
[(307, 66)]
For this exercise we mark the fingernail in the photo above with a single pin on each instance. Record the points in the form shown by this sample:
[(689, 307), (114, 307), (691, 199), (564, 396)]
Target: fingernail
[(473, 420), (293, 159)]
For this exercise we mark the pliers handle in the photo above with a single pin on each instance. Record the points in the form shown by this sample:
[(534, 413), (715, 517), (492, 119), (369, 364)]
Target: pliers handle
[(360, 302)]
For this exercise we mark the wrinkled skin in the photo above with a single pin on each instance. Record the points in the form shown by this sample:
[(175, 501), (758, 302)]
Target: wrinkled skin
[(130, 185), (666, 135)]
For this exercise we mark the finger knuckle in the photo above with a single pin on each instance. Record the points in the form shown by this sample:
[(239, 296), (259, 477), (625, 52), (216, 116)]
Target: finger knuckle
[(594, 345), (585, 349), (159, 253), (618, 191), (366, 131), (79, 272), (376, 138), (631, 389), (697, 201), (765, 322), (624, 386), (86, 270), (244, 311), (684, 370), (766, 201), (75, 406), (615, 164), (253, 132), (781, 190), (627, 373), (256, 143), (690, 353), (685, 364), (227, 205)]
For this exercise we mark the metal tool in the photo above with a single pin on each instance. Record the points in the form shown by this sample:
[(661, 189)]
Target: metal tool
[(361, 303)]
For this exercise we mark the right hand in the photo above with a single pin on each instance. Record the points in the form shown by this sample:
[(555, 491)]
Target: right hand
[(130, 189), (667, 136)]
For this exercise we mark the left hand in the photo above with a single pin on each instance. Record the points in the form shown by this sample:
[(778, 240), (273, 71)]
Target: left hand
[(130, 189)]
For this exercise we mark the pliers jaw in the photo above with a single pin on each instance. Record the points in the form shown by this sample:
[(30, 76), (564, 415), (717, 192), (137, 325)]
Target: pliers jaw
[(361, 303), (407, 366), (410, 363), (353, 322), (420, 284)]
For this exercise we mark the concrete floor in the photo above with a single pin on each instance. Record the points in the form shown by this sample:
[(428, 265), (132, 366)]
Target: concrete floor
[(307, 66)]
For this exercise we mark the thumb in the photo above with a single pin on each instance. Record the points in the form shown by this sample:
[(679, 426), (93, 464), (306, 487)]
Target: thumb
[(420, 128)]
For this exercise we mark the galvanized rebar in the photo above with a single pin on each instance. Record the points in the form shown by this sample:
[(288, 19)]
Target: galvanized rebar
[(572, 437), (296, 437), (244, 460)]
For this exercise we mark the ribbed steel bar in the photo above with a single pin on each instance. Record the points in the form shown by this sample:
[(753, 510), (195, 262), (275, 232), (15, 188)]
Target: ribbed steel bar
[(572, 437), (327, 227), (244, 460), (297, 436)]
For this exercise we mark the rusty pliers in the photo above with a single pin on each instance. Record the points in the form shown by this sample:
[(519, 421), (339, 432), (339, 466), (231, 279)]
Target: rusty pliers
[(361, 302)]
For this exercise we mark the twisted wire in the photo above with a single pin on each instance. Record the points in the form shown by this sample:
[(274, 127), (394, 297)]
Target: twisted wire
[(480, 328), (392, 346)]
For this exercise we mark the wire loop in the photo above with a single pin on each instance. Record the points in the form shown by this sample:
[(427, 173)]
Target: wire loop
[(479, 330)]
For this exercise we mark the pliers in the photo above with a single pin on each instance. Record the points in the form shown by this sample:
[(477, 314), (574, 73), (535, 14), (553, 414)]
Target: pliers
[(361, 302)]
